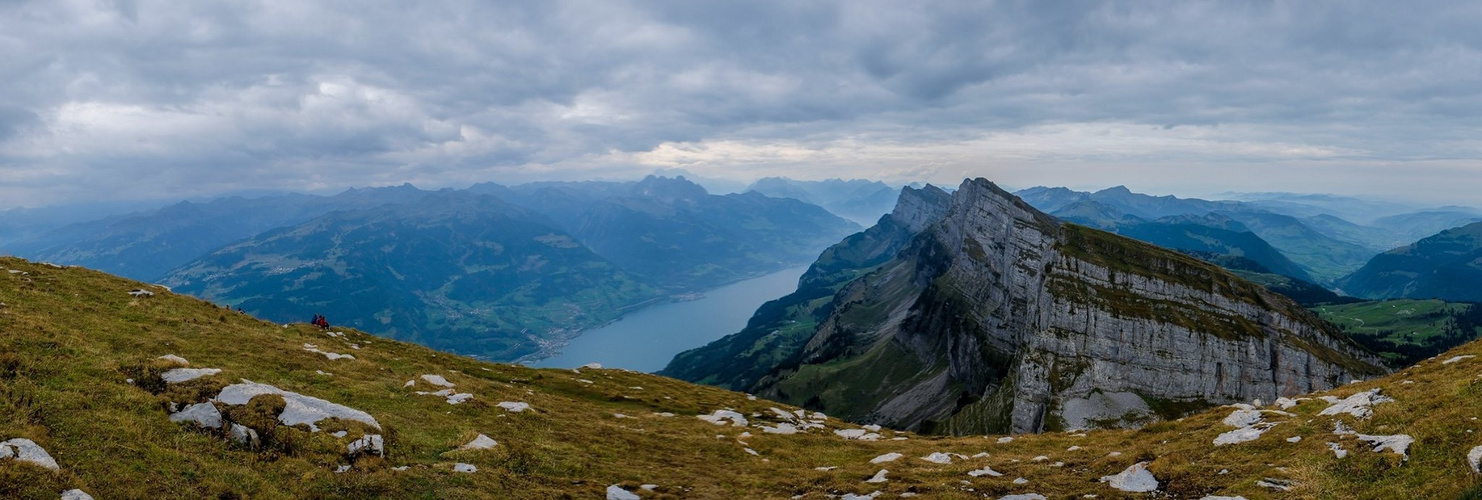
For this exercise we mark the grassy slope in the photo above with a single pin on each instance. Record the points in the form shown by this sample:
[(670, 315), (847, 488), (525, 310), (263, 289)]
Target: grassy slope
[(1424, 326), (66, 337)]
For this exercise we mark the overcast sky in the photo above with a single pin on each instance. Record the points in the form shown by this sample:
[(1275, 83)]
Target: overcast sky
[(142, 99)]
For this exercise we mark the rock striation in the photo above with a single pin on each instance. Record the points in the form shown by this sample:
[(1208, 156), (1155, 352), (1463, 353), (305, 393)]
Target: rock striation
[(996, 317)]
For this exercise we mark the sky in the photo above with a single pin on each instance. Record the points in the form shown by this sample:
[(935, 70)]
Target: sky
[(132, 100)]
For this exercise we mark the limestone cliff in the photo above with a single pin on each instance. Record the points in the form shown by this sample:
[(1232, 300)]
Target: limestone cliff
[(775, 334), (997, 317)]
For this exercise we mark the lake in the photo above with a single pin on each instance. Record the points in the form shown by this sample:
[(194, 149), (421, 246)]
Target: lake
[(646, 340)]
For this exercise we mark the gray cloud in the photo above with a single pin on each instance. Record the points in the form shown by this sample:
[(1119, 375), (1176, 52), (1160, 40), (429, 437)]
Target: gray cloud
[(150, 99)]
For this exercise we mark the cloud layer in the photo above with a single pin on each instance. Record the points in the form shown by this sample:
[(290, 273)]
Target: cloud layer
[(142, 99)]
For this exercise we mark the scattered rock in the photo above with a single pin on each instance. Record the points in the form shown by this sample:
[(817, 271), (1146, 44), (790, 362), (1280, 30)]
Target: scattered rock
[(1456, 359), (888, 457), (1357, 405), (76, 494), (465, 468), (331, 355), (783, 428), (243, 435), (141, 293), (177, 359), (480, 443), (436, 380), (1135, 479), (851, 496), (369, 443), (26, 450), (1294, 439), (203, 414), (513, 406), (1275, 484), (1337, 449), (985, 471), (938, 458), (879, 477), (1005, 440), (1249, 426), (1397, 443), (719, 417), (615, 492), (857, 434), (594, 366), (1021, 481), (1023, 496), (300, 409), (1243, 418), (179, 375), (1217, 497)]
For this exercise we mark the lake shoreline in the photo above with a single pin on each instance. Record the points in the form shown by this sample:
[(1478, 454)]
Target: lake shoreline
[(554, 349)]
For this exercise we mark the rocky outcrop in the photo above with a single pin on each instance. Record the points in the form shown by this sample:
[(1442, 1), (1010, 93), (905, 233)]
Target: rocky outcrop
[(999, 318), (776, 332)]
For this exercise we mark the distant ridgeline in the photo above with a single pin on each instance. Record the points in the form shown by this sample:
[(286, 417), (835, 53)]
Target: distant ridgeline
[(974, 312), (493, 271)]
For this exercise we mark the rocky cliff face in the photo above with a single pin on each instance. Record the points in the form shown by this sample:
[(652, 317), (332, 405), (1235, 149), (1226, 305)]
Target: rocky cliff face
[(998, 317), (775, 334)]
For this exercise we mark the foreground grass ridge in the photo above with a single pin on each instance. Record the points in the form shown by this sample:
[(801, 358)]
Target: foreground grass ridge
[(91, 376)]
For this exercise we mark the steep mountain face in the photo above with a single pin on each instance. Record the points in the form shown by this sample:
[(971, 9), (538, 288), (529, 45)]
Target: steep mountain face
[(146, 245), (456, 272), (1001, 318), (858, 200), (779, 327), (1445, 266)]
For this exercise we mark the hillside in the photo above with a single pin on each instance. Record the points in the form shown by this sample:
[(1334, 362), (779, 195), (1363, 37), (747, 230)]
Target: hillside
[(1406, 331), (76, 337), (1444, 266), (457, 272)]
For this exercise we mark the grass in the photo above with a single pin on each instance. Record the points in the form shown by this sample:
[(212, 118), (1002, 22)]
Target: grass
[(1405, 331), (69, 339)]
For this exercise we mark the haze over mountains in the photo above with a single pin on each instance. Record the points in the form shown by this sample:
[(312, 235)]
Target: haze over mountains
[(496, 271)]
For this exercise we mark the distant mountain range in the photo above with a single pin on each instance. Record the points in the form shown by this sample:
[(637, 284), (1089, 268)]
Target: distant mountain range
[(1304, 228), (496, 271), (858, 200), (146, 245), (1445, 266)]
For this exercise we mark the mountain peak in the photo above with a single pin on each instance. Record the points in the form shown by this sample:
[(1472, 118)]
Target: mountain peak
[(669, 189)]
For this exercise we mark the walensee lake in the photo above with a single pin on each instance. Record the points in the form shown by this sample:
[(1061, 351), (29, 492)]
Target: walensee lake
[(646, 340)]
